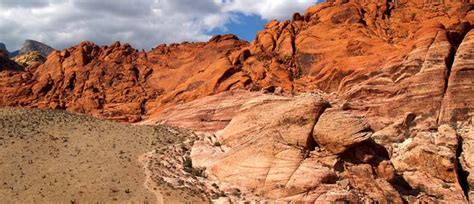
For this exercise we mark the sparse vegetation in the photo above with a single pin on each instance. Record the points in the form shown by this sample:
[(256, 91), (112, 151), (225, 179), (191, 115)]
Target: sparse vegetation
[(187, 163), (445, 185), (215, 186), (188, 167), (81, 148), (298, 120)]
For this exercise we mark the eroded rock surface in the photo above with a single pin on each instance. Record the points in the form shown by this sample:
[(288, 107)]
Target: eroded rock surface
[(272, 154), (120, 83), (362, 50), (389, 119), (338, 130), (208, 114), (294, 154), (458, 102), (466, 159)]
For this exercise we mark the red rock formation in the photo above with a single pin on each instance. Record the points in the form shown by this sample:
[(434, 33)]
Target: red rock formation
[(456, 106), (332, 47), (120, 83), (305, 151), (208, 114), (394, 72)]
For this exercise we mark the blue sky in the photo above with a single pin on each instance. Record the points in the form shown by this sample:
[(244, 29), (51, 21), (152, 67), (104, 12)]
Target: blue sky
[(142, 23), (245, 26)]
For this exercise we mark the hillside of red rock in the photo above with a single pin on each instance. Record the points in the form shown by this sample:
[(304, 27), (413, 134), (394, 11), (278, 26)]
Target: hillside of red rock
[(333, 46), (389, 117)]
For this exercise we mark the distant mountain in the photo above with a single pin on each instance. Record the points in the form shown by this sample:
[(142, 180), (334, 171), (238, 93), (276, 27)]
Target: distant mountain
[(31, 52), (3, 48), (6, 63), (32, 45), (14, 53)]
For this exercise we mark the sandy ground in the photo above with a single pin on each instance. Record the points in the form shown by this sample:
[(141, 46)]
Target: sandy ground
[(57, 157)]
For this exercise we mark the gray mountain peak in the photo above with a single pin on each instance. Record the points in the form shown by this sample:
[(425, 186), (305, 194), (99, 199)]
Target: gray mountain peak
[(32, 45)]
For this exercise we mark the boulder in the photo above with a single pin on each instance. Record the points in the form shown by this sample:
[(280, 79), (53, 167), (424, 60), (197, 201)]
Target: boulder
[(428, 162), (337, 131)]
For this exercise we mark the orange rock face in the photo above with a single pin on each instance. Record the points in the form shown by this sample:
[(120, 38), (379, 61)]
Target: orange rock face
[(308, 149), (120, 83), (334, 46), (396, 76), (208, 114), (456, 106)]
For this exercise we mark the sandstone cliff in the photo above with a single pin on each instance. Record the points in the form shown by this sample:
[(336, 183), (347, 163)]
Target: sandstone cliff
[(345, 47), (389, 118)]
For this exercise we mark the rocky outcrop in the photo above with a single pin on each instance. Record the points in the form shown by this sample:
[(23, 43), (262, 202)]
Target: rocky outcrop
[(208, 114), (337, 131), (274, 155), (466, 159), (428, 163), (130, 83), (120, 83), (388, 119), (420, 75), (458, 109), (264, 151), (458, 104), (306, 151), (328, 48), (35, 46), (30, 59)]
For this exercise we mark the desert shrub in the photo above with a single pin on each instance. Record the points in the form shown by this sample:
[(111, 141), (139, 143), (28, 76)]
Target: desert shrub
[(215, 186), (187, 163), (188, 167), (445, 185)]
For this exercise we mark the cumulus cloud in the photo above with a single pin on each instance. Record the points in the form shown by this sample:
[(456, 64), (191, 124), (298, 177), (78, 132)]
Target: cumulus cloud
[(267, 9), (143, 23)]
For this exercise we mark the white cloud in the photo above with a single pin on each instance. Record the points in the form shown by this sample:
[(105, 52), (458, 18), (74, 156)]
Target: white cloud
[(143, 23), (268, 9)]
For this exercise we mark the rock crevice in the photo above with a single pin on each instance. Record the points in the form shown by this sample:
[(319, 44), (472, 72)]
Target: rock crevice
[(311, 143), (462, 175)]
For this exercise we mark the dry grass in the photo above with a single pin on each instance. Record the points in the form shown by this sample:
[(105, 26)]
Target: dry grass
[(56, 157)]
